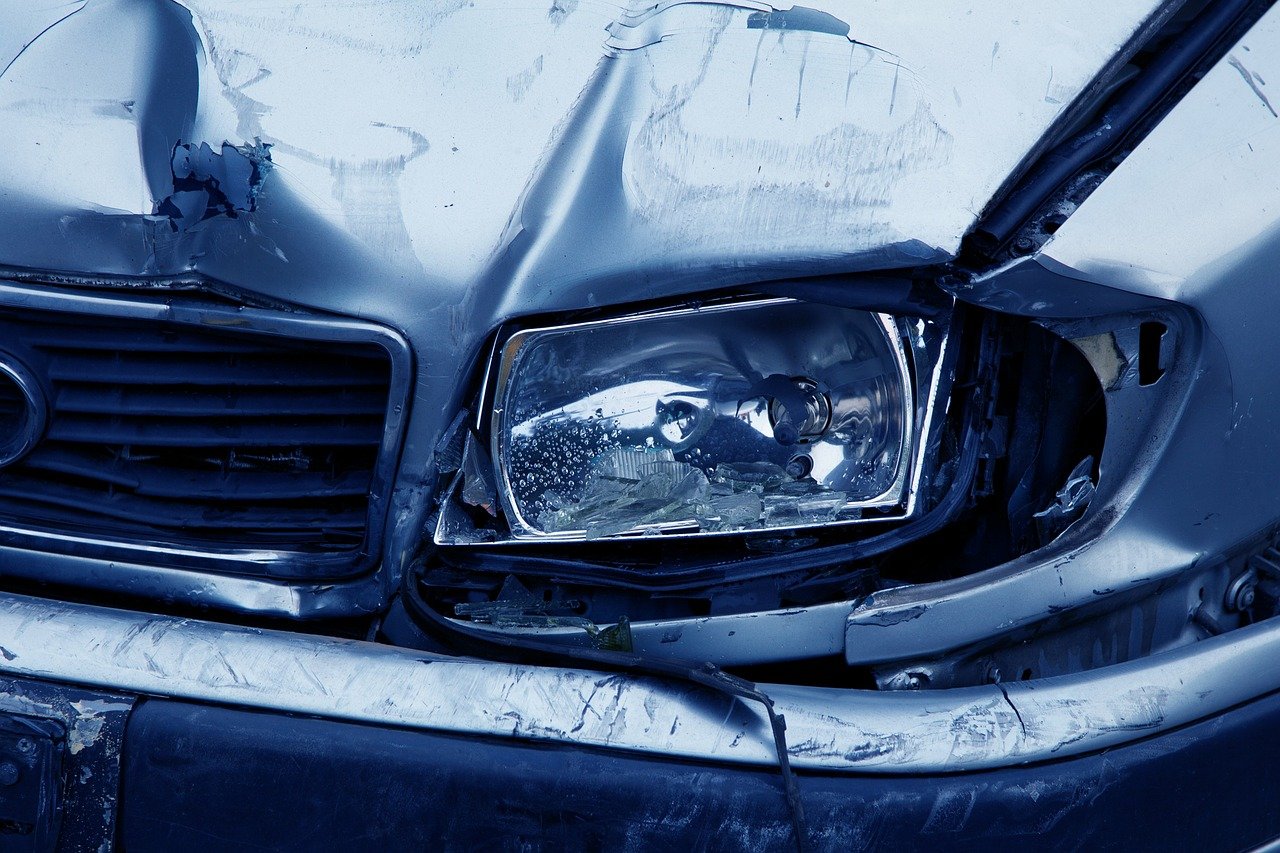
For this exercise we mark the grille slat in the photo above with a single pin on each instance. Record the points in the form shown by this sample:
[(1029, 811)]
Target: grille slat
[(213, 432), (220, 476), (179, 401), (197, 437), (191, 516), (253, 369), (54, 339)]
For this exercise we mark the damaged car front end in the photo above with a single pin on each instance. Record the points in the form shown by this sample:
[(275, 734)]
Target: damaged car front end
[(700, 424)]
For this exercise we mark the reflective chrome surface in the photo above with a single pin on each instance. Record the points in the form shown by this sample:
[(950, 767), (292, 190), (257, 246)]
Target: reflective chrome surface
[(24, 411), (142, 568), (586, 418), (599, 160)]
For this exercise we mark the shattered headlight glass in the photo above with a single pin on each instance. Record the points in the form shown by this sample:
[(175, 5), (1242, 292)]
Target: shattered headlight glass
[(763, 415)]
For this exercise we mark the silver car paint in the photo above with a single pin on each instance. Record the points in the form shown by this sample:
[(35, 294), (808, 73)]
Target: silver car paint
[(442, 167), (553, 266), (828, 729), (1188, 219)]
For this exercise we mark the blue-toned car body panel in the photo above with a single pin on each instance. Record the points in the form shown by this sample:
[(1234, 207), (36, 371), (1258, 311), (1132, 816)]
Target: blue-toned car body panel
[(336, 786)]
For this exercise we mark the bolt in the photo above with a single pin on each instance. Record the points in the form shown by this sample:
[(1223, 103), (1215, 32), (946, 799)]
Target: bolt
[(1024, 245), (810, 419), (799, 466), (1241, 593), (9, 773), (1210, 624), (26, 745)]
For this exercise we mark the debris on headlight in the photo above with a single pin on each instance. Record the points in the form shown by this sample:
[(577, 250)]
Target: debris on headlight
[(751, 416), (450, 447), (628, 489)]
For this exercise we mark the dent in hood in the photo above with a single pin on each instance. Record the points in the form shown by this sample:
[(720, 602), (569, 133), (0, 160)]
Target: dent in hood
[(443, 166), (539, 156)]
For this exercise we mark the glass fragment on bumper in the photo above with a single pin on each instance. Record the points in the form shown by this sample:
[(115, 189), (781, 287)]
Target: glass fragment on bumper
[(754, 416)]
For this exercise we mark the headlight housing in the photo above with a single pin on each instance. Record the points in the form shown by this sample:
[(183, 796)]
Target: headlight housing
[(730, 418)]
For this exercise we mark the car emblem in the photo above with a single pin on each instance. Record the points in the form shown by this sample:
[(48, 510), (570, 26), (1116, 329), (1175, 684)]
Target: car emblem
[(23, 410)]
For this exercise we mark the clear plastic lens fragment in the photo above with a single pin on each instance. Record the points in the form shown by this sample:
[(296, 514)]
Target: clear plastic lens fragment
[(477, 479), (765, 415)]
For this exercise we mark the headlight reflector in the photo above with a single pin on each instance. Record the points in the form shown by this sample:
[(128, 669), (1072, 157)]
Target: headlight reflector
[(749, 416)]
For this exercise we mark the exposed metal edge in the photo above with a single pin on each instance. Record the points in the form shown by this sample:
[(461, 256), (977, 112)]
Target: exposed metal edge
[(1110, 549), (145, 285), (828, 729), (1085, 100), (95, 723), (259, 596)]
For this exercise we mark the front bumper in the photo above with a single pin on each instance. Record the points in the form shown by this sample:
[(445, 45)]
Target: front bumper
[(238, 737)]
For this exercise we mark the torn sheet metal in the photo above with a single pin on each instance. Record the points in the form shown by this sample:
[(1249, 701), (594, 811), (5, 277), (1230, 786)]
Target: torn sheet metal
[(1069, 503), (94, 725), (209, 182), (1191, 454), (840, 137), (1222, 142), (773, 636)]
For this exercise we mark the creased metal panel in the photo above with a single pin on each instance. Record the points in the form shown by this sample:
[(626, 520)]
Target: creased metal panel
[(827, 729), (1191, 216), (442, 166), (602, 141), (1197, 198)]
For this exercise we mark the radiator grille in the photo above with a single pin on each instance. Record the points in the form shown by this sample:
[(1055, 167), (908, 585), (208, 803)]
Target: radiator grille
[(197, 438)]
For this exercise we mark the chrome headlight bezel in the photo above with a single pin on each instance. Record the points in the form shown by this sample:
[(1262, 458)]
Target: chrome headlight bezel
[(917, 345)]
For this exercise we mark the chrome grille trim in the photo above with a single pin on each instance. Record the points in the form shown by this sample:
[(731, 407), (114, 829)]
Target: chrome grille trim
[(134, 559)]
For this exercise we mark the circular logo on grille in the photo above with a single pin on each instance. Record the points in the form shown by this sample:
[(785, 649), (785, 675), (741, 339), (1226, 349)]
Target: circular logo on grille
[(23, 410)]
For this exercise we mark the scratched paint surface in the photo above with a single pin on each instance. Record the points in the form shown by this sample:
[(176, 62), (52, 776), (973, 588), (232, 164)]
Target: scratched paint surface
[(1190, 217)]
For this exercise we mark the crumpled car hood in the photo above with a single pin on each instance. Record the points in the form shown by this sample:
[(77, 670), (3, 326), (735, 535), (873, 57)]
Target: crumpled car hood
[(443, 166), (551, 154)]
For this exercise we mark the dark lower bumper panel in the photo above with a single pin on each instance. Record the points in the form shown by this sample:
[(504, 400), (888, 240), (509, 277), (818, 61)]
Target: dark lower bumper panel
[(199, 777)]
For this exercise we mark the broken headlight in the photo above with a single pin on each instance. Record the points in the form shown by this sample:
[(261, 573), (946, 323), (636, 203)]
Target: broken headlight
[(731, 418)]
